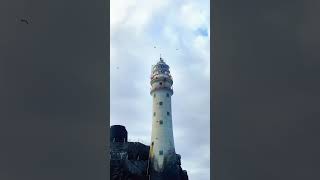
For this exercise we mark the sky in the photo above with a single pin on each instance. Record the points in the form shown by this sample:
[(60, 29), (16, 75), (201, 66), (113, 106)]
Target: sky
[(180, 31)]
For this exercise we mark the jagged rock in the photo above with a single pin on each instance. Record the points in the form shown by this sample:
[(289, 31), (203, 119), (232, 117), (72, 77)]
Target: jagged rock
[(129, 161)]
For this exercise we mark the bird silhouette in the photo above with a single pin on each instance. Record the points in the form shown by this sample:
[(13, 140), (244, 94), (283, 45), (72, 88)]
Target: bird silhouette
[(24, 20), (154, 47)]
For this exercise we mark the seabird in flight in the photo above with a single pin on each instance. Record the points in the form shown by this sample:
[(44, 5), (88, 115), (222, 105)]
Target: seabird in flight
[(24, 20)]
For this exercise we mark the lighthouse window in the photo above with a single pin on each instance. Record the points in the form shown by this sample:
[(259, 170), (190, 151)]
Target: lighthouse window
[(168, 113), (160, 122), (154, 95), (161, 152), (167, 94), (160, 83), (152, 143), (154, 113), (160, 103)]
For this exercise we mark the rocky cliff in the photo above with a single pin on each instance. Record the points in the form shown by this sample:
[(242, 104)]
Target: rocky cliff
[(129, 161)]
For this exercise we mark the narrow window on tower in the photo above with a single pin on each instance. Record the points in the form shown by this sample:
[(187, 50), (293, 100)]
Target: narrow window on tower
[(160, 122), (160, 103), (161, 152), (168, 113), (152, 143), (154, 95), (154, 113), (167, 94)]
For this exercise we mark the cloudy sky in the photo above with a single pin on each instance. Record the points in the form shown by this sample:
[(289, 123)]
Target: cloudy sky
[(136, 27)]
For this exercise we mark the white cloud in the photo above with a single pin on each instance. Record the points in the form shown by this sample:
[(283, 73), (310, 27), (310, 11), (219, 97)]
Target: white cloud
[(193, 16), (136, 27)]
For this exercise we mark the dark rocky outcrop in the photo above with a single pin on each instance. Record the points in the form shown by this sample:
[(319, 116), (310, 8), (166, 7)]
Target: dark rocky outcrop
[(130, 161), (118, 133)]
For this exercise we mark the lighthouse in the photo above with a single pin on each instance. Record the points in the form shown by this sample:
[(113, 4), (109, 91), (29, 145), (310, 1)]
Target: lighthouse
[(162, 151)]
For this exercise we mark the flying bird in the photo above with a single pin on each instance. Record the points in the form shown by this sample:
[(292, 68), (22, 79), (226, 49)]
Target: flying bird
[(154, 47), (25, 21), (177, 49)]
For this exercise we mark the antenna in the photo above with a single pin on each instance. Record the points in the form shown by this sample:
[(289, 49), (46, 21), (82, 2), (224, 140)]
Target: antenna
[(161, 58)]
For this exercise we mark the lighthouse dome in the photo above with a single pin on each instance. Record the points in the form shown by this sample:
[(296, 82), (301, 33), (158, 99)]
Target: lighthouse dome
[(161, 69), (161, 77)]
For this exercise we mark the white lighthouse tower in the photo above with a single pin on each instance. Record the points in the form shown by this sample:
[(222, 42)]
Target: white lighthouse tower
[(162, 151)]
